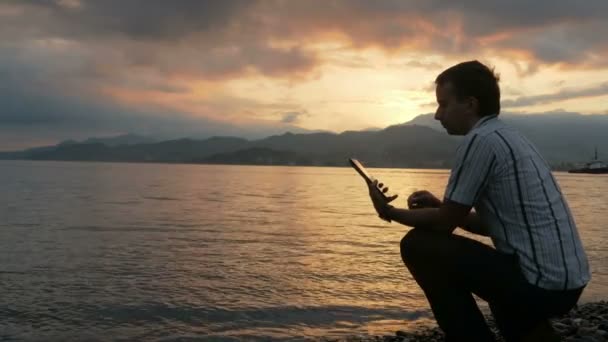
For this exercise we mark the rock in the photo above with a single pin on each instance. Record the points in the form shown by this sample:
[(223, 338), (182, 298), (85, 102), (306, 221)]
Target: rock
[(586, 339), (586, 331), (401, 333), (601, 332), (572, 330)]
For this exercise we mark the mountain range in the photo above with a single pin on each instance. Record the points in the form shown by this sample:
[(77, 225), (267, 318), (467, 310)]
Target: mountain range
[(563, 138)]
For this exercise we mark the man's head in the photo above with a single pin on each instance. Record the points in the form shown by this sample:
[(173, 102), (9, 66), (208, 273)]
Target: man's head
[(465, 93)]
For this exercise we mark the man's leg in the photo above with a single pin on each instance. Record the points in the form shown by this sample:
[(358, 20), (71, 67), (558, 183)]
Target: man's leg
[(519, 325), (516, 323), (449, 268), (527, 318)]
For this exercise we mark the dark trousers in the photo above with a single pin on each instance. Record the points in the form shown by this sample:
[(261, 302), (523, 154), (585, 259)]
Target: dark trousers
[(450, 268)]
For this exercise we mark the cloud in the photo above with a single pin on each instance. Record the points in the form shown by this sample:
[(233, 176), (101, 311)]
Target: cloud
[(460, 29), (29, 119), (46, 102), (293, 117), (62, 62), (425, 65), (565, 94)]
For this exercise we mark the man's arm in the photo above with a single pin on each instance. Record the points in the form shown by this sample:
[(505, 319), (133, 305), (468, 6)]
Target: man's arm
[(474, 225), (425, 199), (445, 218)]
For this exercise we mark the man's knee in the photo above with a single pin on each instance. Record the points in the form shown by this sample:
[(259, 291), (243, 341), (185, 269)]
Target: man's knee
[(415, 245)]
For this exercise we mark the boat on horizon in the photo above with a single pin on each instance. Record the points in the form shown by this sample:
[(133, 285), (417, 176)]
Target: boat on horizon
[(595, 166)]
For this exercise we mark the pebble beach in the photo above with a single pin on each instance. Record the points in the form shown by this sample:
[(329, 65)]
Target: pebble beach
[(585, 323)]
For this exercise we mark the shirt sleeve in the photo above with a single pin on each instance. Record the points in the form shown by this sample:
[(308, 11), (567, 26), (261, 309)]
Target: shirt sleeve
[(475, 163)]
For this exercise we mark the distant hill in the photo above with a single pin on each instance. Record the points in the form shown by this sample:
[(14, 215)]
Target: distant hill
[(172, 151), (563, 139), (125, 139), (395, 146)]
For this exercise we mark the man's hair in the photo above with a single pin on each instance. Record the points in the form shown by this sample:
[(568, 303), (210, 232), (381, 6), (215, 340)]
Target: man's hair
[(477, 80)]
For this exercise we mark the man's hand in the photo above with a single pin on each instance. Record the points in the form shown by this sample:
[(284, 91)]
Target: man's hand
[(423, 199), (379, 200)]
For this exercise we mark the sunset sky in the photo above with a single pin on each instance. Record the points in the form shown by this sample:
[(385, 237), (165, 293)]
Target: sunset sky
[(73, 69)]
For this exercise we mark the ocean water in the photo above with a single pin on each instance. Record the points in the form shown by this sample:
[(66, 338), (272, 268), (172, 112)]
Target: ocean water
[(160, 252)]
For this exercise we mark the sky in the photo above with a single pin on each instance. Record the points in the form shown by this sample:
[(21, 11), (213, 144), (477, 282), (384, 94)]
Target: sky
[(72, 69)]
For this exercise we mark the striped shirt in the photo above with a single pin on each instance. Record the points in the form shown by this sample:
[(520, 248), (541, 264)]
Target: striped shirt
[(503, 176)]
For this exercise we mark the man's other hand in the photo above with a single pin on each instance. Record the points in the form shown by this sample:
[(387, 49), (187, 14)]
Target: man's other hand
[(423, 199)]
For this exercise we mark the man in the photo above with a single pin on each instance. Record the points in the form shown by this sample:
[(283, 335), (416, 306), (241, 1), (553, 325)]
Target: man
[(538, 267)]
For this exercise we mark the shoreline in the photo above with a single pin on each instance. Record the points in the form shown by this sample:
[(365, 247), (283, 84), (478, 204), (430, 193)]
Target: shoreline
[(143, 162), (587, 322)]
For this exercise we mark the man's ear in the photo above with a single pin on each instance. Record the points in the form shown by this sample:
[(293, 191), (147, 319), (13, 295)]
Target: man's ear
[(473, 104)]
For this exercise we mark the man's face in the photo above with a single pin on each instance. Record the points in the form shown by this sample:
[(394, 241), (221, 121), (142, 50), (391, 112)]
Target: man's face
[(455, 115)]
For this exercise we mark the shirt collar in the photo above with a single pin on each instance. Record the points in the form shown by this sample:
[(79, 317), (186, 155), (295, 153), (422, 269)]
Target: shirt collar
[(483, 120)]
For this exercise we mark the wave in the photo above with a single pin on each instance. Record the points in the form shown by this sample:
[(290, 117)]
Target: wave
[(162, 198)]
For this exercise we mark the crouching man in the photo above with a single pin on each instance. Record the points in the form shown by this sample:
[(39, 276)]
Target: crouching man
[(537, 268)]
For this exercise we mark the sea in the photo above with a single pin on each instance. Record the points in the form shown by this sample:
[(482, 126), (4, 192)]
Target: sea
[(173, 252)]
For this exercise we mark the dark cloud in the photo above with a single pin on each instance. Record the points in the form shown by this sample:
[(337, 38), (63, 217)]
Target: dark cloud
[(159, 19), (135, 19), (565, 94), (204, 39), (561, 31), (574, 43)]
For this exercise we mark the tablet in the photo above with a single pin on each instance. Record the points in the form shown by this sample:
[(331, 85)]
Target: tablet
[(361, 170)]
